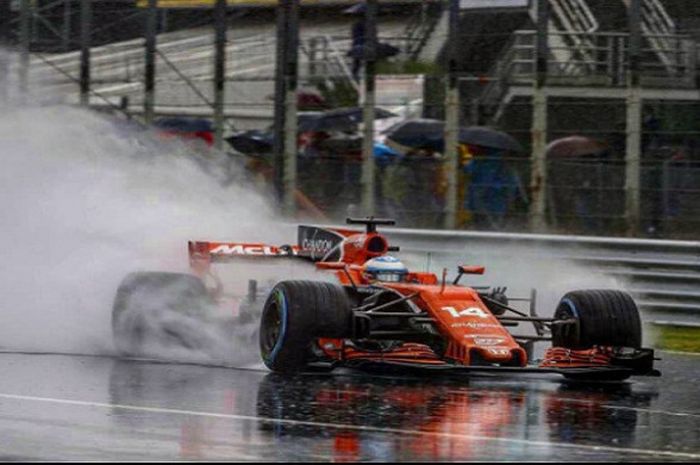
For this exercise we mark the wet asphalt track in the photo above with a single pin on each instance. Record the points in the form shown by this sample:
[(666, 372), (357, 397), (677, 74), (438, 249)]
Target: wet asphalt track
[(98, 408)]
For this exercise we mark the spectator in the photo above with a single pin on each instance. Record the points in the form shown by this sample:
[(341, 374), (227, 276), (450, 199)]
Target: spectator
[(493, 187), (413, 188), (358, 45)]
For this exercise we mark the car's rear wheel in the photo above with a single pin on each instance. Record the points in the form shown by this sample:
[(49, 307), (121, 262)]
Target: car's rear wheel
[(601, 318), (295, 314), (158, 309)]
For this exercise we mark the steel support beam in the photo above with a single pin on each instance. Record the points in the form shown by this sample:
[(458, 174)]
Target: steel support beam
[(25, 14), (5, 64), (538, 169), (4, 77), (290, 108), (219, 71), (369, 100), (66, 30), (85, 43), (451, 159), (150, 62), (633, 152), (279, 105)]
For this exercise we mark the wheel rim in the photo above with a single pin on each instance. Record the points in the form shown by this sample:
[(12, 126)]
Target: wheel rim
[(273, 326), (567, 335)]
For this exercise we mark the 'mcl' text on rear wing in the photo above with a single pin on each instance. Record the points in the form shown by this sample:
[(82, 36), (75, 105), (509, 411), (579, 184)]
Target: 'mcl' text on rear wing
[(222, 251)]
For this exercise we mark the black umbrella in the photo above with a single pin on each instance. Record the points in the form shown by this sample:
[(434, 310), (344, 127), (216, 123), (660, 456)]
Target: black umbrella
[(341, 119), (420, 133), (382, 51), (253, 142), (430, 134), (487, 137), (184, 124)]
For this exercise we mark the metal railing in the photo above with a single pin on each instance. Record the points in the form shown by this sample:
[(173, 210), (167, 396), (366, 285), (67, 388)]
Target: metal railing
[(327, 58), (421, 26), (606, 65), (659, 28), (576, 21)]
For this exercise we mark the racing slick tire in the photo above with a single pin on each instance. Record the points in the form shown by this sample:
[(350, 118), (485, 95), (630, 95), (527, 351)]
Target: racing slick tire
[(295, 314), (157, 308), (604, 318)]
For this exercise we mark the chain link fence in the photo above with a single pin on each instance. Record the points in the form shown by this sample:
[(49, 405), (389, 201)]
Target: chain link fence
[(585, 186)]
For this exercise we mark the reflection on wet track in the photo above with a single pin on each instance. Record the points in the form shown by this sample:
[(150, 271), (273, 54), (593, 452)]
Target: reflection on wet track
[(94, 408)]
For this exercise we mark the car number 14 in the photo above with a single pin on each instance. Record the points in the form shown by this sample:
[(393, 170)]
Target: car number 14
[(470, 311)]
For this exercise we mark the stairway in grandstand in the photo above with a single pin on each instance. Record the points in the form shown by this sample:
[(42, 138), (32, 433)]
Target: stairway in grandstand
[(423, 31), (610, 14), (580, 30), (657, 27), (571, 50), (484, 35)]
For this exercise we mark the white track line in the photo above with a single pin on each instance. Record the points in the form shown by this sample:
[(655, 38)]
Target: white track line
[(636, 409), (622, 450)]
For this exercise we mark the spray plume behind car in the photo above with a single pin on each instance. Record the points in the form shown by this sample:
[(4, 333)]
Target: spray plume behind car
[(85, 199)]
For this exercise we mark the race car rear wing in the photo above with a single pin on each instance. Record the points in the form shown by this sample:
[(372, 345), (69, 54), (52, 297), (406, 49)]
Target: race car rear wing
[(314, 243)]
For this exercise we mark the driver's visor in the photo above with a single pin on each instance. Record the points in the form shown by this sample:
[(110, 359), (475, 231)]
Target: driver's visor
[(389, 276)]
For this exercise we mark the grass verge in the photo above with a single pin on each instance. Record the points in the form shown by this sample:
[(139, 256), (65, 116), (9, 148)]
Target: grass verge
[(676, 337)]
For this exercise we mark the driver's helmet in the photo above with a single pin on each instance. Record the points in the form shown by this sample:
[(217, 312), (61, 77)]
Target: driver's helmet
[(385, 268)]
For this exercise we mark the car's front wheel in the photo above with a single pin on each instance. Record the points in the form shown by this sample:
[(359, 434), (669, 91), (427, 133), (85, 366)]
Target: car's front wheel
[(600, 318), (295, 314)]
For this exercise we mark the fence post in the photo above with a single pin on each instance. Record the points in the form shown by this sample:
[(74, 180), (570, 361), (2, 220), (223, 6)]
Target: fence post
[(634, 122), (150, 62), (313, 50), (452, 118), (66, 26), (538, 176), (290, 104), (369, 57), (219, 71), (24, 39), (280, 86), (85, 44)]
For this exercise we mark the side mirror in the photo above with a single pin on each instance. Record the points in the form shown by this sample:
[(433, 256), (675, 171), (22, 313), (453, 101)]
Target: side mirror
[(464, 269), (471, 269)]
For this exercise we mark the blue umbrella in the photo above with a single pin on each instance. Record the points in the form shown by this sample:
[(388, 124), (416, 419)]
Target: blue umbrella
[(384, 154)]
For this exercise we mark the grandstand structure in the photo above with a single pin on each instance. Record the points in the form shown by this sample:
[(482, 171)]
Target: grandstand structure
[(592, 77), (588, 43)]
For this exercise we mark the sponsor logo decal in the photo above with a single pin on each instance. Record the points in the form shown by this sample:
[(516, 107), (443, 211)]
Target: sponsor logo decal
[(317, 245), (499, 351), (475, 325), (252, 250), (485, 340)]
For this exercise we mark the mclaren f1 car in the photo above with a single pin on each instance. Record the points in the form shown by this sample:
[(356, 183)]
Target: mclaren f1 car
[(368, 311)]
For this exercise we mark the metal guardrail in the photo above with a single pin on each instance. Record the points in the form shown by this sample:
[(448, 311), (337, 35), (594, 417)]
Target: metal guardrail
[(663, 276)]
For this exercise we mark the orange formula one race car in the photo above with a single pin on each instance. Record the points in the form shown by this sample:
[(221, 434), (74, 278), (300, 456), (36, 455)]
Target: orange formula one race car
[(373, 314)]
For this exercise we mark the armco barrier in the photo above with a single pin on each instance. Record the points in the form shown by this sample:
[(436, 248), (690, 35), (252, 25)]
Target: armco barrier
[(662, 275)]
